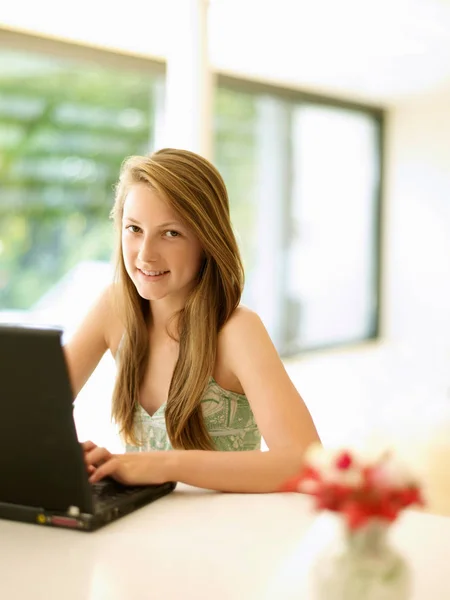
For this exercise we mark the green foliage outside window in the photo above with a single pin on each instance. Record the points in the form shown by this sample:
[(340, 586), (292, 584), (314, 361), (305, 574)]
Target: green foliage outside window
[(235, 146), (65, 128)]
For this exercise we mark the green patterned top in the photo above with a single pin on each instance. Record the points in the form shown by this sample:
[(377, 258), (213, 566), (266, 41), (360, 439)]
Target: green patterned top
[(228, 418)]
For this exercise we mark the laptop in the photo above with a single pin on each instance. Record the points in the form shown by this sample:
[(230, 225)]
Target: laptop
[(43, 477)]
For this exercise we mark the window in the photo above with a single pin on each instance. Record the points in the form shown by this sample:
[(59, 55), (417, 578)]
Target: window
[(66, 124), (303, 177)]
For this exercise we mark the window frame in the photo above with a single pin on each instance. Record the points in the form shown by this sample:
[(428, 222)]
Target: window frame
[(378, 114)]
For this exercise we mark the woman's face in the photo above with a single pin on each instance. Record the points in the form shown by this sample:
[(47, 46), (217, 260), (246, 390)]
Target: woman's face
[(162, 255)]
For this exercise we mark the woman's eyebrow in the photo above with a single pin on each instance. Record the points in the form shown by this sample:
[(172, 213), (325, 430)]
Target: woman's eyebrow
[(161, 225), (169, 223), (126, 218)]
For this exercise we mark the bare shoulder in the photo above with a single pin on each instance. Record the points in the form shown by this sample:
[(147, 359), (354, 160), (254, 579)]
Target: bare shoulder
[(242, 337), (243, 325), (236, 341), (104, 317), (99, 331), (242, 317), (113, 322)]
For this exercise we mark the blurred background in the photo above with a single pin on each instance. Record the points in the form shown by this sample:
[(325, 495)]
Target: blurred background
[(330, 123)]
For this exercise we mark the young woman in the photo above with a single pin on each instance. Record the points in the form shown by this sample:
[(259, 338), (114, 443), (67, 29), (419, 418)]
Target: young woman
[(198, 378)]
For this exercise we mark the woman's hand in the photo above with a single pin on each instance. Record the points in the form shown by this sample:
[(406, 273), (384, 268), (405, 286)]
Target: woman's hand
[(133, 468), (88, 447)]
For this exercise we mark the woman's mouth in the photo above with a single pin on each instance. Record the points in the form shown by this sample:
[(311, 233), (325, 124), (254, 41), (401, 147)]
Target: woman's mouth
[(153, 275)]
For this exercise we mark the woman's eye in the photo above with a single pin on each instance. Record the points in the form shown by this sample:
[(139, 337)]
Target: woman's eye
[(172, 234), (133, 228)]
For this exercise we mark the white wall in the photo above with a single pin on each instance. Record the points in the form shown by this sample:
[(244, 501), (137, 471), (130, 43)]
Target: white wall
[(139, 27), (417, 225)]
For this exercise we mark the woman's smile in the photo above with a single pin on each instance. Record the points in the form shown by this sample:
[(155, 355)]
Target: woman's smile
[(152, 275)]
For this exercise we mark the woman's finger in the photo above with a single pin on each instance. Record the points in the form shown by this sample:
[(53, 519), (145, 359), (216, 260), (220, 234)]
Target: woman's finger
[(88, 446), (97, 456), (107, 468)]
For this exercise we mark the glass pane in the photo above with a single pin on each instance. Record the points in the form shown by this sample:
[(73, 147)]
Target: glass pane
[(235, 148), (251, 145), (303, 183), (331, 294), (65, 127)]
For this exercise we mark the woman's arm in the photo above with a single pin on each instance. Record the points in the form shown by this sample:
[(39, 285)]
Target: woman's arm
[(240, 472), (89, 343), (280, 412), (281, 415)]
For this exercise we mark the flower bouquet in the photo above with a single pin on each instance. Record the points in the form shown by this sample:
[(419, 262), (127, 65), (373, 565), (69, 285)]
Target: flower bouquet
[(367, 494), (360, 489)]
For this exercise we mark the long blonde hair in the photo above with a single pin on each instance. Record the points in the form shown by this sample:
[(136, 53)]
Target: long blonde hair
[(195, 190)]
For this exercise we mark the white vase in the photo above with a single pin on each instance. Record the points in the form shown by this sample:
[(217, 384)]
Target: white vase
[(361, 565)]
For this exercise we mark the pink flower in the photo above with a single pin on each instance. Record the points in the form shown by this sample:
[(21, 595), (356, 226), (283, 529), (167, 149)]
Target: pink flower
[(344, 461), (361, 490)]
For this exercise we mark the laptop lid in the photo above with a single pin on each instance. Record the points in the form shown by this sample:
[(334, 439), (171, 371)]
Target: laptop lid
[(41, 461)]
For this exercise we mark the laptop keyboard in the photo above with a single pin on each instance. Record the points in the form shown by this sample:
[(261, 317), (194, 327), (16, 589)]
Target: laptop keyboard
[(108, 491)]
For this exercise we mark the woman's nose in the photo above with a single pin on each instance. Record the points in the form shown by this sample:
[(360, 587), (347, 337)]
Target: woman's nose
[(148, 251)]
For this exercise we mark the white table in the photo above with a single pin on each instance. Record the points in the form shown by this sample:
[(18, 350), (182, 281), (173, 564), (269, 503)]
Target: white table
[(200, 545)]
